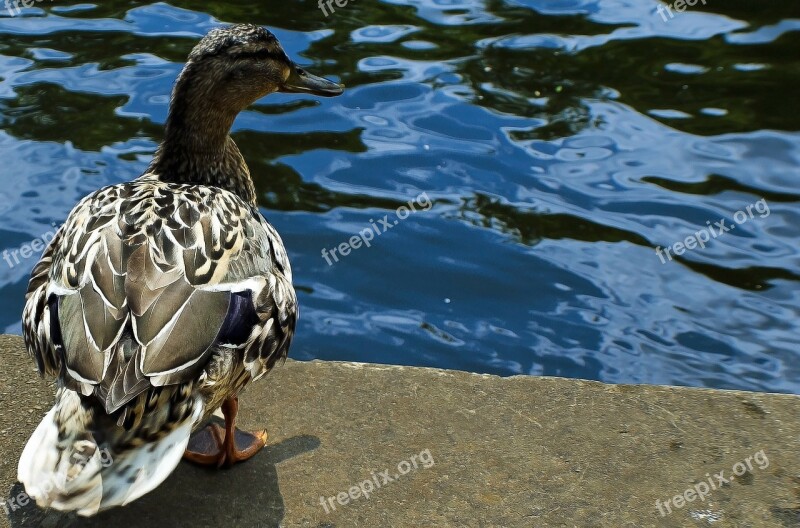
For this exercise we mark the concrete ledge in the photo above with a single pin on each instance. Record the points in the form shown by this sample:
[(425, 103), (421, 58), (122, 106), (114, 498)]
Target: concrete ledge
[(489, 451)]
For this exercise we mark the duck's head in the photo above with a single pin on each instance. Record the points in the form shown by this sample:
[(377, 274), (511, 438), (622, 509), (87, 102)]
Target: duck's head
[(228, 70), (236, 65)]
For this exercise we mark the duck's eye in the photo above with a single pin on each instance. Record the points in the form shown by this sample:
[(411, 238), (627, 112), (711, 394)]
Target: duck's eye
[(259, 54), (301, 72)]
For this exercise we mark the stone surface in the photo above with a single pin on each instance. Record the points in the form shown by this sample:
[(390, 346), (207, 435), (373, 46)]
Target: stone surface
[(489, 451)]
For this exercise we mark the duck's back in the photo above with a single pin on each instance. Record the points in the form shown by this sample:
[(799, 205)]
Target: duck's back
[(149, 294)]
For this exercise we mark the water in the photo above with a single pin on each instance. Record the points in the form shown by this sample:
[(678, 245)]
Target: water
[(559, 142)]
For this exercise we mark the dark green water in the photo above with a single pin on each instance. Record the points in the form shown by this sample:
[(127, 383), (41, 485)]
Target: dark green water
[(560, 142)]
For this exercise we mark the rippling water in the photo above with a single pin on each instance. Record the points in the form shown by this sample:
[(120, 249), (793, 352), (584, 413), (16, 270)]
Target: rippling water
[(560, 143)]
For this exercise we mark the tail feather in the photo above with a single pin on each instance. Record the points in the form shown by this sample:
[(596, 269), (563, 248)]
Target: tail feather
[(64, 467), (143, 469)]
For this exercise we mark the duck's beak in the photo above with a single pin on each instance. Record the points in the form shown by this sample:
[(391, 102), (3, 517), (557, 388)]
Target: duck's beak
[(300, 81)]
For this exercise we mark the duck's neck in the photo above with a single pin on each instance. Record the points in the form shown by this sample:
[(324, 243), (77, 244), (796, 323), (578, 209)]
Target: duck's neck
[(197, 148)]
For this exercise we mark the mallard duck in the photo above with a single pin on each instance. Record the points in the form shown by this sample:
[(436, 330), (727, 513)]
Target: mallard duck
[(160, 299)]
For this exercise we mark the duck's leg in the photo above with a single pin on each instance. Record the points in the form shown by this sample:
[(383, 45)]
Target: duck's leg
[(239, 445), (215, 446)]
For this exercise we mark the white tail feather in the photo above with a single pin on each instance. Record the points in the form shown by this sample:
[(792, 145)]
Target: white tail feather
[(87, 479)]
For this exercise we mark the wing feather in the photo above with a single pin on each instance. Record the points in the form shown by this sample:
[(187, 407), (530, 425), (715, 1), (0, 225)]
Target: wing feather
[(145, 279)]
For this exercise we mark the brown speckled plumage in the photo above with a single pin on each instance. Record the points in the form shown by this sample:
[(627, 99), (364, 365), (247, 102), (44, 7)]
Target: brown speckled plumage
[(151, 278)]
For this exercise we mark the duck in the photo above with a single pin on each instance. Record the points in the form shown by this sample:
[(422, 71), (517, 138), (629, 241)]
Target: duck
[(160, 299)]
